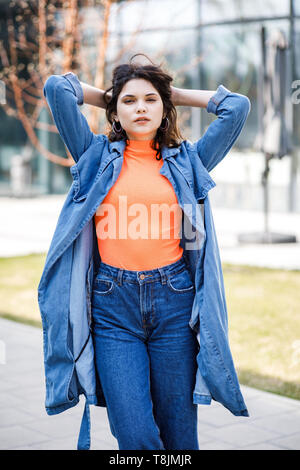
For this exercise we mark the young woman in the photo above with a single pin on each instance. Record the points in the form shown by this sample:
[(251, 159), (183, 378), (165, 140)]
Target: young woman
[(136, 295)]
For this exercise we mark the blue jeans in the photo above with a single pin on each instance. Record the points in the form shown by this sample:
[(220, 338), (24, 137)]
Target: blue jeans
[(145, 354)]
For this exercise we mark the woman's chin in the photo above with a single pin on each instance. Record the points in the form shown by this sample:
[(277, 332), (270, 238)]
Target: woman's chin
[(141, 135)]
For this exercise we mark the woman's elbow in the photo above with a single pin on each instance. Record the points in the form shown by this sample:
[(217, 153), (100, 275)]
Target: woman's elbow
[(244, 106), (50, 84)]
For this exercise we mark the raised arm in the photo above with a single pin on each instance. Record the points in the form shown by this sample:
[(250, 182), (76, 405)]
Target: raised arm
[(195, 98), (64, 95), (231, 109), (93, 95)]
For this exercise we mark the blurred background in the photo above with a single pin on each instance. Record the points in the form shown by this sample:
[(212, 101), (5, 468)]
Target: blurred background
[(202, 43), (249, 47)]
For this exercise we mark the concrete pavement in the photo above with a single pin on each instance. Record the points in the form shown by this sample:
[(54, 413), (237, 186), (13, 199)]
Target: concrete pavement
[(274, 423), (28, 228)]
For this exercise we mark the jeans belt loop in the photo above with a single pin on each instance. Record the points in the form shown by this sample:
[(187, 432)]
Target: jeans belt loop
[(120, 274), (162, 275)]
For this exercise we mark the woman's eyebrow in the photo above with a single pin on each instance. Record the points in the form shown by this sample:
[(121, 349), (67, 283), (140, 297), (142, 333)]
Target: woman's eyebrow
[(132, 96)]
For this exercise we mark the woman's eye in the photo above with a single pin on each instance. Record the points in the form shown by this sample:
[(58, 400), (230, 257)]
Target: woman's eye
[(130, 101)]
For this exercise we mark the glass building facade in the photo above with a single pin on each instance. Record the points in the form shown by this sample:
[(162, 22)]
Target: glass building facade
[(202, 43)]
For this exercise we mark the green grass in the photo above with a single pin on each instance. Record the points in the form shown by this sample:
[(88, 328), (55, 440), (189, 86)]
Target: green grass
[(264, 327), (263, 310), (19, 279)]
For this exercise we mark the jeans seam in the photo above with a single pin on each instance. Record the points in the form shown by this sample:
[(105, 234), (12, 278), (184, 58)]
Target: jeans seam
[(115, 278), (152, 305)]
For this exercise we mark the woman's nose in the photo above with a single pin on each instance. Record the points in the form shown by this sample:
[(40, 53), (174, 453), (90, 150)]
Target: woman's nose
[(141, 107)]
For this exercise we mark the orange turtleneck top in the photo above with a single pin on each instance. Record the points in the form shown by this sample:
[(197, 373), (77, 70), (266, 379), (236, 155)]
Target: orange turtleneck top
[(138, 223)]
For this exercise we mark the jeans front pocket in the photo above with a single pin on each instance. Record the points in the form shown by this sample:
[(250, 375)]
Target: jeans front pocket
[(103, 285), (181, 282)]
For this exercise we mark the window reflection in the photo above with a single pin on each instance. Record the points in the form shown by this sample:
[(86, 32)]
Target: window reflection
[(297, 7), (197, 54), (231, 56), (221, 10), (152, 14)]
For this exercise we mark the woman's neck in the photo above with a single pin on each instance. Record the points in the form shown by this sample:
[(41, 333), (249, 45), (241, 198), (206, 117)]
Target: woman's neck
[(140, 144)]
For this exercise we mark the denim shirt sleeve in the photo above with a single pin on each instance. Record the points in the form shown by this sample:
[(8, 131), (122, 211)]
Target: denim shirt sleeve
[(64, 94), (232, 110)]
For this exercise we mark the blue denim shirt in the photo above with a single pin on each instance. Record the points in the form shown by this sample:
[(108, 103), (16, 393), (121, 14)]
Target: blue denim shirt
[(64, 291)]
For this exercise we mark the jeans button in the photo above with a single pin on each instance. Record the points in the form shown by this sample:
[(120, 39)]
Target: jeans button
[(142, 276)]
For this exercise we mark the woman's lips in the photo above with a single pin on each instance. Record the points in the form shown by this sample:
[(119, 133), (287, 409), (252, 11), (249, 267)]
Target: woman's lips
[(144, 121)]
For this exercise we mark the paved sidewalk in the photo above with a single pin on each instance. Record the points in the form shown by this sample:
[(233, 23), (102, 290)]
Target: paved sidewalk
[(274, 423), (29, 225)]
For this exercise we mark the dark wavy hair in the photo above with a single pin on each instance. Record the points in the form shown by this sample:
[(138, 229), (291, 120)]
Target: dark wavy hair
[(171, 137)]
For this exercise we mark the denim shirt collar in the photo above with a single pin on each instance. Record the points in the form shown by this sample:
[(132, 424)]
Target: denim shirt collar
[(119, 146)]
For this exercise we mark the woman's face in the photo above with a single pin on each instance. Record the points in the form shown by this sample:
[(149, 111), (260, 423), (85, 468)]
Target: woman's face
[(139, 99)]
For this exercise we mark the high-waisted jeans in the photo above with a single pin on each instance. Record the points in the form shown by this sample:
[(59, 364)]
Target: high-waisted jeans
[(145, 353)]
